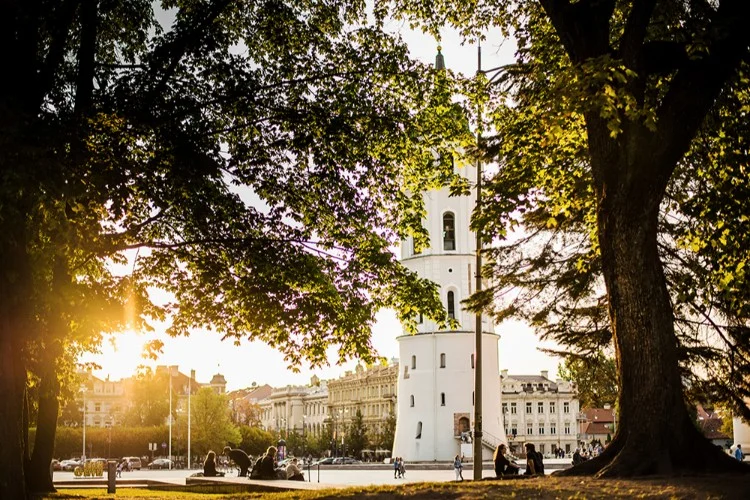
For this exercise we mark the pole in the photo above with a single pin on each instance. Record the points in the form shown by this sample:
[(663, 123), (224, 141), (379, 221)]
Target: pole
[(190, 390), (83, 452), (478, 339), (170, 418)]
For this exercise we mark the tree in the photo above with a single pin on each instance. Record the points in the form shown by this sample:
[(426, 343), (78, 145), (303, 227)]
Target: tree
[(388, 432), (149, 399), (212, 427), (616, 106), (126, 141), (356, 435), (595, 379), (255, 441)]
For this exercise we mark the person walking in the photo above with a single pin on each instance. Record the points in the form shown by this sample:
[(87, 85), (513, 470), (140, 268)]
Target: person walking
[(396, 468), (458, 468), (738, 453)]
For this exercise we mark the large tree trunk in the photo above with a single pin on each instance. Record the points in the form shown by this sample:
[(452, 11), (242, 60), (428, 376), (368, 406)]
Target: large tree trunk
[(12, 389), (655, 433), (38, 476)]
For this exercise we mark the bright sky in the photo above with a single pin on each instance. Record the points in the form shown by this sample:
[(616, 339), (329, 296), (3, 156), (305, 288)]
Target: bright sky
[(256, 362)]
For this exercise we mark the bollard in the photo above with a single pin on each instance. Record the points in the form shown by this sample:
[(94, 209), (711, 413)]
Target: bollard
[(111, 476)]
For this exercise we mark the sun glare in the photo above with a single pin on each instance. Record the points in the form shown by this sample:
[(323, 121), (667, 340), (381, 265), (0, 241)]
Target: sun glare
[(123, 354)]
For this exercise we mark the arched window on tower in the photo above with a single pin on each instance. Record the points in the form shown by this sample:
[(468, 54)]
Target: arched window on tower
[(449, 231), (413, 362), (419, 430), (442, 399), (411, 400), (442, 360), (451, 305)]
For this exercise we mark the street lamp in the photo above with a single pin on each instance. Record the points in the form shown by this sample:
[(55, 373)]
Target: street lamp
[(170, 416), (190, 390), (83, 450)]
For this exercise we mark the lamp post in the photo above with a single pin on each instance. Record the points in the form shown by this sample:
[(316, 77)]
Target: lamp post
[(83, 451), (169, 368), (190, 390)]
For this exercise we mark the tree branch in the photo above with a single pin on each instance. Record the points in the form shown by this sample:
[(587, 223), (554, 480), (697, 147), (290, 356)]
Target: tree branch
[(636, 26), (695, 87)]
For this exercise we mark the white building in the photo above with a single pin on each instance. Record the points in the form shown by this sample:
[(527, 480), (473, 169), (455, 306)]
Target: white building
[(539, 411), (436, 376)]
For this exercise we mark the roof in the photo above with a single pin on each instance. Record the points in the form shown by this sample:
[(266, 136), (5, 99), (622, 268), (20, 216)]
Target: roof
[(260, 392), (533, 380), (599, 414), (711, 428), (598, 428)]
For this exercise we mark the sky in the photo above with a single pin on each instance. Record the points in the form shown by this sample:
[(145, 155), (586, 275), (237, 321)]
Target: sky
[(251, 362)]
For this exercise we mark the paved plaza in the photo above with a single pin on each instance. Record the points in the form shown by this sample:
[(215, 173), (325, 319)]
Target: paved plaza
[(341, 476)]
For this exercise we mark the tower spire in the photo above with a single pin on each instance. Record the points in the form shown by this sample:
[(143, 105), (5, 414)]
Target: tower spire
[(439, 59)]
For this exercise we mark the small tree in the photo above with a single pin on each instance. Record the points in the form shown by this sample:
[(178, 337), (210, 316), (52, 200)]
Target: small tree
[(356, 435), (212, 427)]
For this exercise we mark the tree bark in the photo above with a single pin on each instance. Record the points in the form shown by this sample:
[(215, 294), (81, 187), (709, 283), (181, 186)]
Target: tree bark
[(12, 396), (38, 476)]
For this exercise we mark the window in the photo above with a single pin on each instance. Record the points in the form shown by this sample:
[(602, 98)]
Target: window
[(541, 429), (411, 400), (414, 250), (552, 429), (567, 448), (514, 429), (567, 428), (421, 318), (442, 399), (97, 407), (566, 407), (528, 408), (413, 362), (529, 429), (541, 448), (472, 361), (451, 305), (540, 407), (552, 407), (472, 398), (505, 409), (449, 231), (442, 360), (419, 430), (513, 408)]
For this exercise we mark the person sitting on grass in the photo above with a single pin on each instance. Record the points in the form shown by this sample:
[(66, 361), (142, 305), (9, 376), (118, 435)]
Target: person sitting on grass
[(267, 469), (534, 463), (209, 466), (293, 473), (240, 458), (503, 466)]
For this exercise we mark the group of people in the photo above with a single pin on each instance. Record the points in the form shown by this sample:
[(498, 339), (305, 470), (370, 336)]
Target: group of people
[(399, 470), (265, 467), (504, 467)]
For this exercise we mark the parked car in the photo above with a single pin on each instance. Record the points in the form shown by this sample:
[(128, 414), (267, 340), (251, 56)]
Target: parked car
[(160, 463), (324, 461), (56, 464), (69, 465), (134, 463), (345, 461)]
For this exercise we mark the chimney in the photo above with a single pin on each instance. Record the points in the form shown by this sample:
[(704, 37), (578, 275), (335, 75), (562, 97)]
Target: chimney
[(545, 373)]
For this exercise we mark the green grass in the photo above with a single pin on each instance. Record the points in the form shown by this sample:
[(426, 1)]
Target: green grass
[(703, 487)]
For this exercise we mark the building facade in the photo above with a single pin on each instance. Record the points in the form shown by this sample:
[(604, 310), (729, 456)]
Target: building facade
[(539, 411), (371, 391), (436, 374)]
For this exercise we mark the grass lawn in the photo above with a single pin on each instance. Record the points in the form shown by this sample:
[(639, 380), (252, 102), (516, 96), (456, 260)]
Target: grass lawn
[(702, 487)]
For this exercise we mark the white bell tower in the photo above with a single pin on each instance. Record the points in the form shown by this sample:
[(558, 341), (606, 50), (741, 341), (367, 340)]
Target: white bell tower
[(436, 372)]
